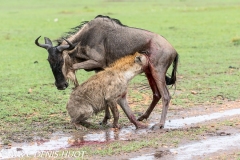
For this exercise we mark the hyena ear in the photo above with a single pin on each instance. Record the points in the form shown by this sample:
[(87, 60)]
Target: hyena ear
[(141, 59), (138, 59)]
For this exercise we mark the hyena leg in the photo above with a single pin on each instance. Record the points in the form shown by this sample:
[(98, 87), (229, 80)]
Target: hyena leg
[(115, 113), (124, 105), (81, 125), (107, 116)]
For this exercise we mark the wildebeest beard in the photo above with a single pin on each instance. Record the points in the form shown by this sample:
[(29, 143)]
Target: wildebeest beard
[(56, 63)]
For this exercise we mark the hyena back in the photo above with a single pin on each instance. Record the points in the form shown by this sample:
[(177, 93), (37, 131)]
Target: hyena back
[(105, 89)]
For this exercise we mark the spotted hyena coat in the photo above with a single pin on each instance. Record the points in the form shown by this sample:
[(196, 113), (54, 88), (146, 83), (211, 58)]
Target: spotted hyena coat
[(106, 89)]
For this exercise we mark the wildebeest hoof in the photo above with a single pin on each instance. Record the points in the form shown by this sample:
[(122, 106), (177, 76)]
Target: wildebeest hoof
[(142, 117), (157, 126), (115, 126), (103, 123)]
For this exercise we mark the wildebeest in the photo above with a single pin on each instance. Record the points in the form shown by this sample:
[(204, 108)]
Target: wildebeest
[(103, 40), (106, 89)]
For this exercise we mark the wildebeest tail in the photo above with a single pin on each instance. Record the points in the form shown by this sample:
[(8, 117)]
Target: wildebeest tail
[(172, 80)]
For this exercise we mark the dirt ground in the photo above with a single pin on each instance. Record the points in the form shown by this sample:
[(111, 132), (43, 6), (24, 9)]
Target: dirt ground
[(173, 143), (217, 128)]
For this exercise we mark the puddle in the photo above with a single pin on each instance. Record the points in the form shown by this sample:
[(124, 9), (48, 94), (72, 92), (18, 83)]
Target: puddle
[(207, 146), (25, 149), (60, 141), (109, 135), (190, 151), (144, 157), (179, 123)]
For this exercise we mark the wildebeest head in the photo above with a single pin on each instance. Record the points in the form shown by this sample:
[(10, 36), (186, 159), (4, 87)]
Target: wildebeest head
[(55, 59)]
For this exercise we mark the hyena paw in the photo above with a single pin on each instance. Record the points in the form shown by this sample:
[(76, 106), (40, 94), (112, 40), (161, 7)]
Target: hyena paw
[(80, 127)]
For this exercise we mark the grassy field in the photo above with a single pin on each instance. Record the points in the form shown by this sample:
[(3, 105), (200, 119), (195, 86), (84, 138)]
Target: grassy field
[(205, 33)]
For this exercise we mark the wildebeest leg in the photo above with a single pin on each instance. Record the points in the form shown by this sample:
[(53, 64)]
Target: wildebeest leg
[(124, 105), (158, 71), (156, 96), (89, 64), (165, 101), (161, 55), (106, 117)]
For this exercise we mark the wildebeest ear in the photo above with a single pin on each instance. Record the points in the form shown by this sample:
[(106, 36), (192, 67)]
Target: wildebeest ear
[(48, 41)]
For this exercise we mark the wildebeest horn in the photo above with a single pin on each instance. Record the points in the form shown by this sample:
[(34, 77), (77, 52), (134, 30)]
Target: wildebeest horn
[(48, 41), (46, 46), (70, 46)]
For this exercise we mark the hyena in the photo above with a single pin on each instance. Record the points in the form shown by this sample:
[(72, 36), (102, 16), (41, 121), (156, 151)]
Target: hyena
[(105, 90)]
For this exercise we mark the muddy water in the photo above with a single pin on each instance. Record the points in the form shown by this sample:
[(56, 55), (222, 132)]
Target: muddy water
[(179, 123), (192, 151), (207, 146), (144, 157), (59, 141)]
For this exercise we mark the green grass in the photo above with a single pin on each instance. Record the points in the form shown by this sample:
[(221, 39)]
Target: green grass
[(205, 34)]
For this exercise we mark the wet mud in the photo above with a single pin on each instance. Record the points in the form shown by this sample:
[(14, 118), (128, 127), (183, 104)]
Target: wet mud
[(193, 151), (211, 145), (63, 141)]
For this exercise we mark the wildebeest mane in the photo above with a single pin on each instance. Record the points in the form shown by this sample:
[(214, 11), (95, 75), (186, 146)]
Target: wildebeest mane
[(74, 30), (71, 32), (112, 19)]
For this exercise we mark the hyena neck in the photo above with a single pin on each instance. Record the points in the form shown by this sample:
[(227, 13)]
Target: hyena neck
[(132, 71), (126, 67)]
